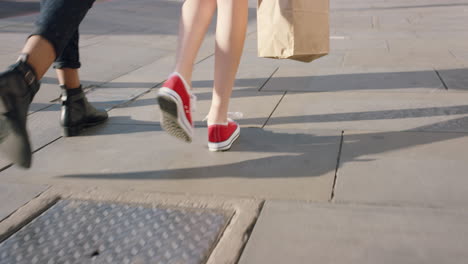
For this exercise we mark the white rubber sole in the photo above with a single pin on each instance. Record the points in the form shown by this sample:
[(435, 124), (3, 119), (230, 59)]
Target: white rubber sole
[(173, 118), (225, 145)]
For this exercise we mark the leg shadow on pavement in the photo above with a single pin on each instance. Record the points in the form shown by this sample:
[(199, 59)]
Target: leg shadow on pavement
[(18, 8), (119, 125), (311, 81), (287, 155), (394, 114), (282, 154)]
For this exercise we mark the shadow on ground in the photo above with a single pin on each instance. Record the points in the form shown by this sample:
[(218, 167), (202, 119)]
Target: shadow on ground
[(17, 8), (149, 17), (289, 155)]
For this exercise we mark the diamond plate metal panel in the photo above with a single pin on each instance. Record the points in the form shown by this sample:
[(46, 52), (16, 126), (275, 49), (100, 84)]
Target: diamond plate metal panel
[(75, 231)]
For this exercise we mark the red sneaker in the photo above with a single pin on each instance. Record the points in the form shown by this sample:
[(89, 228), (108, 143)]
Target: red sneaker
[(176, 103), (222, 136)]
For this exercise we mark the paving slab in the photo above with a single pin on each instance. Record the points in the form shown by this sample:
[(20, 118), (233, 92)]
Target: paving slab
[(333, 59), (18, 8), (401, 58), (461, 54), (455, 79), (336, 79), (403, 168), (19, 19), (7, 59), (373, 111), (351, 44), (110, 18), (441, 31), (48, 93), (13, 196), (376, 35), (351, 22), (393, 21), (98, 59), (423, 28), (107, 96), (300, 165), (137, 39), (147, 76), (6, 22), (142, 111), (288, 232), (416, 44)]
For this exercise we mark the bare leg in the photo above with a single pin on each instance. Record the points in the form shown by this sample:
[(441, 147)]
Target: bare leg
[(69, 77), (195, 19), (230, 36), (41, 54)]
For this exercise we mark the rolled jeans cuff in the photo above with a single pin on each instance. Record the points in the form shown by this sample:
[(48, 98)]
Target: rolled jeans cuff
[(67, 64)]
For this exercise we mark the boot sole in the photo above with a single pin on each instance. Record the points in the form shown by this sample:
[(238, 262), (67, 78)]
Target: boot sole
[(76, 130), (14, 136)]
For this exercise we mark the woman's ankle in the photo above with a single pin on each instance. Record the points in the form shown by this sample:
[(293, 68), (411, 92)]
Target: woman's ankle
[(217, 119), (186, 76)]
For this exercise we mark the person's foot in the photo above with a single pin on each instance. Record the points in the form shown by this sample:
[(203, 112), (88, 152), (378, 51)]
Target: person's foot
[(176, 103), (77, 113), (18, 85), (222, 136)]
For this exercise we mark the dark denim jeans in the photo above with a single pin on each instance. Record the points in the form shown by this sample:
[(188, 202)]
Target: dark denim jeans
[(58, 22)]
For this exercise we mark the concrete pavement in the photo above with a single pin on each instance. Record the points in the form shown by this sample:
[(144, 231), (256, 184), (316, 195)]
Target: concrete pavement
[(358, 157)]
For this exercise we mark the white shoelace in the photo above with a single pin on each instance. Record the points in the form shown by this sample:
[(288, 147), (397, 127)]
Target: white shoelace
[(235, 115), (193, 102), (231, 116)]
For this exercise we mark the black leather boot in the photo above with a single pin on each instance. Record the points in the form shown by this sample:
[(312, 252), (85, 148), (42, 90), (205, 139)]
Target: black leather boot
[(77, 112), (18, 85)]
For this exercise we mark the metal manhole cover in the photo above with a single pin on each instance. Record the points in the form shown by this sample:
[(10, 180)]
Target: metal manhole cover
[(73, 231)]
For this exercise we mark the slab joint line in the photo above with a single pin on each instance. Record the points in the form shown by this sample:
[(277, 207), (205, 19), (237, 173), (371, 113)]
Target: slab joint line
[(267, 80), (28, 220), (249, 231), (338, 160), (441, 79), (204, 59), (272, 112)]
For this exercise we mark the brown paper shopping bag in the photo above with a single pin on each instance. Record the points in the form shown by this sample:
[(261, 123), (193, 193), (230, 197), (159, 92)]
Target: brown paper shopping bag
[(293, 29)]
